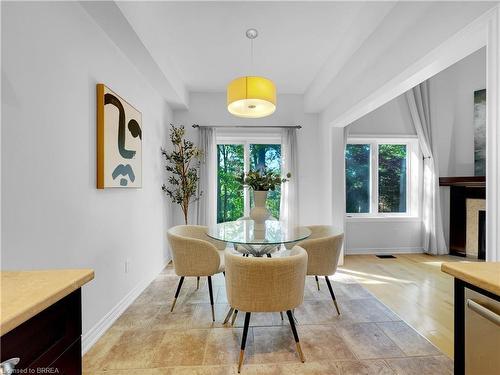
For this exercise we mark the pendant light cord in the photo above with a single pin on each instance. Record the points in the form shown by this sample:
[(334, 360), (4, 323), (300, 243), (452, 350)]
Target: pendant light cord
[(251, 56)]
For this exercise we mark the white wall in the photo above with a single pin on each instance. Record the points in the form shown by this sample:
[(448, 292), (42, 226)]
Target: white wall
[(452, 94), (452, 114), (53, 55), (210, 109), (391, 119), (393, 235)]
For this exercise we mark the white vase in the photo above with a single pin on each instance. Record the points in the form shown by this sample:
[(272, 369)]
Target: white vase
[(259, 213)]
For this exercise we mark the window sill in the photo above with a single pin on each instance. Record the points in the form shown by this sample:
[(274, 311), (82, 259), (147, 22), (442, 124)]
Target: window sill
[(380, 219)]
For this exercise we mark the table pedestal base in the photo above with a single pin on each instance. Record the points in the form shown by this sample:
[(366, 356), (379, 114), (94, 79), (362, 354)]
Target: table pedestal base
[(256, 250)]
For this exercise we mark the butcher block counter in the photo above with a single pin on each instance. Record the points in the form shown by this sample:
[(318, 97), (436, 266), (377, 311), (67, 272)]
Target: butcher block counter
[(40, 319), (476, 317)]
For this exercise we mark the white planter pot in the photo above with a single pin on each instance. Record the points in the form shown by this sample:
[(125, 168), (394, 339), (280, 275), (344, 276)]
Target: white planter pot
[(259, 213)]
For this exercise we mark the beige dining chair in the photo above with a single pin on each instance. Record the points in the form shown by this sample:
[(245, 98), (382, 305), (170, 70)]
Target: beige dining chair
[(323, 248), (256, 284), (195, 254)]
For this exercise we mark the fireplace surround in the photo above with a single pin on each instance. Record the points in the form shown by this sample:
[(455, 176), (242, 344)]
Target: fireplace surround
[(467, 192)]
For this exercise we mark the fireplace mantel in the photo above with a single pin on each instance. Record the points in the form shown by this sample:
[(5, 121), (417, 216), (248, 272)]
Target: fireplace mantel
[(467, 181)]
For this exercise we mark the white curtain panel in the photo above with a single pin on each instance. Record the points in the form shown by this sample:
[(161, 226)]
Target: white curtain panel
[(207, 185), (433, 235), (289, 204)]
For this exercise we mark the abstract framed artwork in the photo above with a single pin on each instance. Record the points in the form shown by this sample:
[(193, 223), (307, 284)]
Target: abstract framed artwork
[(119, 141), (480, 132)]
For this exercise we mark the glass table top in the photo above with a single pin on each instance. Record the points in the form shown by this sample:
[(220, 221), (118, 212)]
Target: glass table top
[(244, 232)]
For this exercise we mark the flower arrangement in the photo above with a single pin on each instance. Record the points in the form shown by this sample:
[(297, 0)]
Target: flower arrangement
[(262, 180)]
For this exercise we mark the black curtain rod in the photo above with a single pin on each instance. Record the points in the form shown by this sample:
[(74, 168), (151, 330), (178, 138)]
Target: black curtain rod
[(248, 126)]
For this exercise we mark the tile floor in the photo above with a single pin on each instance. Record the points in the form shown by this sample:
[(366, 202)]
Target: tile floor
[(367, 338)]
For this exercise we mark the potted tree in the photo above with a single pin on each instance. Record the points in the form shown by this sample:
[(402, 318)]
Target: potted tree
[(183, 164)]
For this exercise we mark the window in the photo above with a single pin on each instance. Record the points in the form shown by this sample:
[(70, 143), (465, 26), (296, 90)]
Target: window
[(377, 177), (235, 156)]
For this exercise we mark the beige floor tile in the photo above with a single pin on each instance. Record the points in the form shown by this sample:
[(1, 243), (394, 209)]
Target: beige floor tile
[(156, 371), (156, 295), (439, 365), (137, 316), (270, 369), (202, 315), (151, 340), (258, 319), (272, 345), (134, 349), (408, 340), (366, 367), (319, 312), (94, 358), (181, 348), (367, 341), (204, 370), (366, 310), (223, 346), (321, 342), (308, 368), (180, 318)]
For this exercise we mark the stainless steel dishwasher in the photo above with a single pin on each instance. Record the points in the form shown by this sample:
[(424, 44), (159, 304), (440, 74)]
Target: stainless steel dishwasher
[(482, 334)]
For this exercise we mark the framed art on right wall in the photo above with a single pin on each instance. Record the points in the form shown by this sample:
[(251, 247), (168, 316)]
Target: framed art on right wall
[(480, 132)]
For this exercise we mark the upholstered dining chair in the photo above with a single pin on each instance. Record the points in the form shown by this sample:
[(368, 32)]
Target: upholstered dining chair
[(195, 254), (323, 248), (257, 284)]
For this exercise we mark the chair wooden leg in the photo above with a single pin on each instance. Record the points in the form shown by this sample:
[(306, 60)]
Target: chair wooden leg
[(197, 282), (234, 317), (317, 281), (281, 314), (228, 316), (244, 340), (269, 256), (211, 296), (295, 335), (332, 294), (177, 292)]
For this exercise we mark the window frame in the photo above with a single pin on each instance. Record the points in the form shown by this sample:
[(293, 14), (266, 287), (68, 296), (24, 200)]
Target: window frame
[(413, 166), (246, 140)]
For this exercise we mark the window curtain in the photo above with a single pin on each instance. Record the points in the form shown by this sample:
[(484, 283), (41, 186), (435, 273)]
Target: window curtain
[(289, 204), (433, 235), (207, 184)]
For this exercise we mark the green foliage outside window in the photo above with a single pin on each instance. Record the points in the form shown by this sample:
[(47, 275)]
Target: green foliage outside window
[(230, 205), (230, 163), (391, 178), (357, 178)]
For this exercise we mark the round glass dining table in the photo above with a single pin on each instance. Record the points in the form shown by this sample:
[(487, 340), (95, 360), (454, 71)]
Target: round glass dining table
[(256, 240)]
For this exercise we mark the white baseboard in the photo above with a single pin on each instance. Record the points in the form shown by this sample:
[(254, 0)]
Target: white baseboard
[(389, 250), (95, 333)]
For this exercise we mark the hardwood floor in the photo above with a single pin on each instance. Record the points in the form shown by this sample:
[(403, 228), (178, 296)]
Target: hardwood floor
[(413, 286)]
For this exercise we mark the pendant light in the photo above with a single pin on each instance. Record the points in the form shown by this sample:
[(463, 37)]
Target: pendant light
[(251, 96)]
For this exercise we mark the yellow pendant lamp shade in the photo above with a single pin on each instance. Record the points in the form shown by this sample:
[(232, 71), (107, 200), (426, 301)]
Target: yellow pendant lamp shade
[(251, 97)]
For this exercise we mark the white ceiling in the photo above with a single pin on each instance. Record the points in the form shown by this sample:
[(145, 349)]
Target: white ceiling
[(205, 42), (335, 53)]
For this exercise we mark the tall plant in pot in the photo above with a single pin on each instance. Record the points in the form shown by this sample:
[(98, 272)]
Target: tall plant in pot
[(261, 182), (183, 164)]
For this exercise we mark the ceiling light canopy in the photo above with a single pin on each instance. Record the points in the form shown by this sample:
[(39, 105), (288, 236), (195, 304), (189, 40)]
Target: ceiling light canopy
[(251, 96)]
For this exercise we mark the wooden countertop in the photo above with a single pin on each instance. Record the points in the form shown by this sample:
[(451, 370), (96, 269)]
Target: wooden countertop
[(485, 275), (26, 293)]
